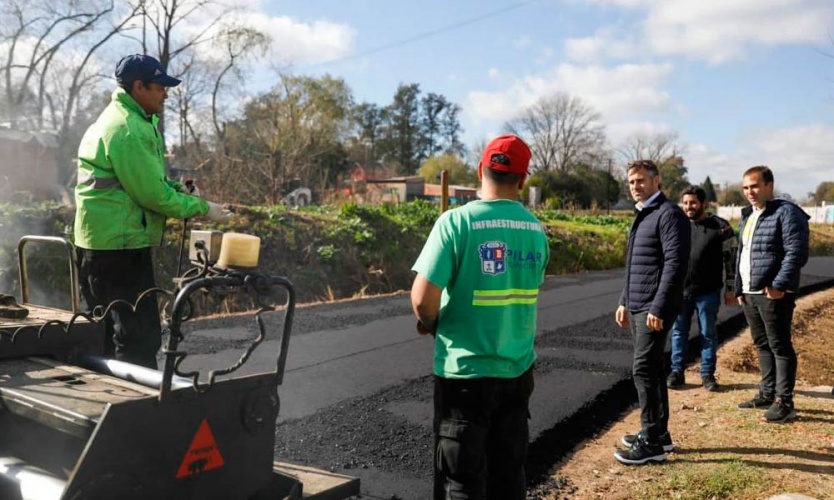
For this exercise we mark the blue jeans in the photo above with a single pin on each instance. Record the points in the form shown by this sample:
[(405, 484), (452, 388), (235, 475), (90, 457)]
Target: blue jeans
[(706, 306)]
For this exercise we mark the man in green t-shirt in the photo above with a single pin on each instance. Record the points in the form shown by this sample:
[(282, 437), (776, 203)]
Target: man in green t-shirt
[(476, 291)]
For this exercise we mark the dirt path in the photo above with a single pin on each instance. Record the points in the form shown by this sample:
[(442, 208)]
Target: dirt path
[(724, 452)]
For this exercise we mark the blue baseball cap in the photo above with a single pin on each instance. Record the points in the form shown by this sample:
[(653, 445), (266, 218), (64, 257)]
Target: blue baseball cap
[(143, 68)]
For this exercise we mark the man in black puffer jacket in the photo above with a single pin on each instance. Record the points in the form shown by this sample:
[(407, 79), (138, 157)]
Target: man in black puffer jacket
[(712, 266), (656, 263), (773, 247)]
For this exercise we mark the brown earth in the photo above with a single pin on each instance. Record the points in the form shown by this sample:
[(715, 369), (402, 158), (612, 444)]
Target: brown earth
[(723, 452)]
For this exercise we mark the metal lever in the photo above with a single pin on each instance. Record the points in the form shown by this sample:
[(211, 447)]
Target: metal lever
[(254, 284)]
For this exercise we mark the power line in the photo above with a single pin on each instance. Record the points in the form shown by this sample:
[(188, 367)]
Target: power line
[(427, 34)]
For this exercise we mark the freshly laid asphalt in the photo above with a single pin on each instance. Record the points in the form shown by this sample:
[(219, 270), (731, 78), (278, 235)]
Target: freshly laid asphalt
[(356, 396)]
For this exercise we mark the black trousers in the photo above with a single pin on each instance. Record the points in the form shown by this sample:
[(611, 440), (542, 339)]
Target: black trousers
[(108, 275), (770, 325), (650, 375), (481, 434)]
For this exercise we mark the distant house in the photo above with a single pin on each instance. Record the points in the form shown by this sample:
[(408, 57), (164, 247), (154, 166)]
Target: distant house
[(458, 195), (28, 164), (396, 189), (402, 189)]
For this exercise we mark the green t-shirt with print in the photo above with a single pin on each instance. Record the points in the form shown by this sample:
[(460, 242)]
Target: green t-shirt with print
[(489, 258)]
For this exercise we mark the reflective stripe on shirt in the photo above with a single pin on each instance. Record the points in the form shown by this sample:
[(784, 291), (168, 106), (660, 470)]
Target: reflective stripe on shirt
[(101, 183), (505, 297)]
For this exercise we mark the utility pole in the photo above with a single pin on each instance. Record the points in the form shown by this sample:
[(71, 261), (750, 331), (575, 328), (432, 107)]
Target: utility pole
[(444, 190), (608, 190)]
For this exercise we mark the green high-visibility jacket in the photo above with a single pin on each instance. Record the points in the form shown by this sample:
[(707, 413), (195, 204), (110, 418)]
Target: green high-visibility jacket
[(123, 195)]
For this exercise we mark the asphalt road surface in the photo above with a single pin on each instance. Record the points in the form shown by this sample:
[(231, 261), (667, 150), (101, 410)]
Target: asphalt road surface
[(356, 396)]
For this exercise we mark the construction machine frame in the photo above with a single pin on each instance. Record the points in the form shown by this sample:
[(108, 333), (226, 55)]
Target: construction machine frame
[(75, 425)]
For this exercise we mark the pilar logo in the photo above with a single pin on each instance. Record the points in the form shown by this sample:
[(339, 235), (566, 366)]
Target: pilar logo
[(493, 257)]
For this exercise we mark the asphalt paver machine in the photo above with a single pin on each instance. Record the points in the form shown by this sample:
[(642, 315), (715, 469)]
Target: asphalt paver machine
[(75, 425)]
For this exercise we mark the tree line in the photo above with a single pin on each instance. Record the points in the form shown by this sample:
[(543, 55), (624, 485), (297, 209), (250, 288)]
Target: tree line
[(56, 61)]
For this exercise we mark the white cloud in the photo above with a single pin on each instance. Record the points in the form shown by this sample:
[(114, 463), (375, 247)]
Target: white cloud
[(493, 73), (801, 157), (545, 55), (619, 93), (622, 91), (307, 43), (623, 3), (293, 41), (522, 42), (606, 43), (719, 30), (713, 30), (619, 131)]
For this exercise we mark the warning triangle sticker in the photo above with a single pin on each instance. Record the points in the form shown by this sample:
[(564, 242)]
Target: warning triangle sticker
[(203, 454)]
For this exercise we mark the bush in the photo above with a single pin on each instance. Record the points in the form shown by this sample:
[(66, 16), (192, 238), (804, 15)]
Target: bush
[(328, 252)]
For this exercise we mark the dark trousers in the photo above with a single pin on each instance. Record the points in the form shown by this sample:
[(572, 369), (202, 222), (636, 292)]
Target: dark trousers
[(770, 325), (650, 375), (108, 275), (481, 435)]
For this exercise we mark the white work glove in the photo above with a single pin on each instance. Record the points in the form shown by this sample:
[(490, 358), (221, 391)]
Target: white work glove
[(190, 188), (217, 212)]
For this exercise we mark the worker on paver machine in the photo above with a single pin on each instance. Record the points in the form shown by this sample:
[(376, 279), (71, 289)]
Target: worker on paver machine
[(78, 425), (75, 425)]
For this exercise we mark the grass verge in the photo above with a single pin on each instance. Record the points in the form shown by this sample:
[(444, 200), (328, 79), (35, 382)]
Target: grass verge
[(724, 452)]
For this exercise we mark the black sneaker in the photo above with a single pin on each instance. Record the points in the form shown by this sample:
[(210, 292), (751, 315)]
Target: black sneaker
[(781, 410), (665, 441), (709, 383), (757, 402), (675, 380), (641, 452)]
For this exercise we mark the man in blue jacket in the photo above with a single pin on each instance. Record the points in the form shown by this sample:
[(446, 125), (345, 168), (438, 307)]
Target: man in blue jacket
[(656, 263), (773, 247)]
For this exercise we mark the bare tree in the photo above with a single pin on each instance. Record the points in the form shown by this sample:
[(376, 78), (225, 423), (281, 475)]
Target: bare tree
[(238, 43), (657, 147), (161, 18), (475, 150), (186, 99), (288, 133), (35, 32), (562, 131)]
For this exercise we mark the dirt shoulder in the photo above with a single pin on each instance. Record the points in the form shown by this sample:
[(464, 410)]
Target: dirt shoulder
[(723, 452)]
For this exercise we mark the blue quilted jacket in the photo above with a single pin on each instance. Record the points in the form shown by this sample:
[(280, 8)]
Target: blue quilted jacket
[(779, 247), (657, 259)]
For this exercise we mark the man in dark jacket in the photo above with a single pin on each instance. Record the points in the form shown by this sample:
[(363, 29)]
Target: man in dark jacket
[(656, 264), (712, 266), (773, 247)]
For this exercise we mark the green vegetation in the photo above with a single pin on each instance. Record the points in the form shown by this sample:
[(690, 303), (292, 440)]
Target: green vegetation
[(693, 481), (336, 252)]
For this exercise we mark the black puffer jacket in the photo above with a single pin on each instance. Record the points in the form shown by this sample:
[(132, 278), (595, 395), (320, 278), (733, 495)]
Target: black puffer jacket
[(779, 248), (657, 259)]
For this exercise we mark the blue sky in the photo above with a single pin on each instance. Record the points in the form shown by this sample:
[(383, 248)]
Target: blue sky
[(743, 82)]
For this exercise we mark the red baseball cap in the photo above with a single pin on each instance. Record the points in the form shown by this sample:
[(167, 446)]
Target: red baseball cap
[(507, 153)]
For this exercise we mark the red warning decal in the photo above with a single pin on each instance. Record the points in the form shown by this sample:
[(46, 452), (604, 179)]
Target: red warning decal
[(203, 454)]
